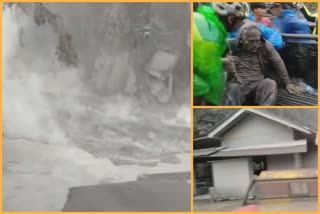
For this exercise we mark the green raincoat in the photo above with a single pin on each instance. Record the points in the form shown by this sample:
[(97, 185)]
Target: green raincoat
[(209, 44)]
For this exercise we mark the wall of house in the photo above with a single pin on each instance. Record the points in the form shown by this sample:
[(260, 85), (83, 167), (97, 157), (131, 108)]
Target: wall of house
[(280, 162), (231, 178), (310, 159), (253, 130)]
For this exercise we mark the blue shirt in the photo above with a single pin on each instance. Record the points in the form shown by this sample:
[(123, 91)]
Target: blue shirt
[(290, 22)]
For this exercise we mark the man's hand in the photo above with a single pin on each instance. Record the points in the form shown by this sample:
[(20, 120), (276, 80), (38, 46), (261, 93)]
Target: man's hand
[(294, 89), (232, 58), (228, 64), (298, 5)]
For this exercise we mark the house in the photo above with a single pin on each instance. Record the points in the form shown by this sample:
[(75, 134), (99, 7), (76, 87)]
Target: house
[(246, 143)]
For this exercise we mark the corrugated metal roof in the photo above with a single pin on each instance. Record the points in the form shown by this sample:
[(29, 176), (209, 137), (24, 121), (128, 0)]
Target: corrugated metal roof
[(206, 152), (206, 142)]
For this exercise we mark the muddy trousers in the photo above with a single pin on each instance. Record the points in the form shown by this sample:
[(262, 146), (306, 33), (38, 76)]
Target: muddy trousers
[(263, 93)]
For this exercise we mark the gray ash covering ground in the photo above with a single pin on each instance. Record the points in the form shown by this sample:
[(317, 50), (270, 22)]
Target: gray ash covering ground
[(71, 114)]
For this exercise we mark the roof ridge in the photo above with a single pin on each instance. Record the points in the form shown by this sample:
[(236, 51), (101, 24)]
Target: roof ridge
[(252, 110), (241, 113)]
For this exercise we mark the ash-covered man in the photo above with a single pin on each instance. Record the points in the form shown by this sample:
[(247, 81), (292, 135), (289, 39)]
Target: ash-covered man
[(255, 70)]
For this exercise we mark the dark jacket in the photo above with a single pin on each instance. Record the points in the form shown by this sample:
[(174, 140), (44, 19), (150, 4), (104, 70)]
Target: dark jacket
[(271, 64)]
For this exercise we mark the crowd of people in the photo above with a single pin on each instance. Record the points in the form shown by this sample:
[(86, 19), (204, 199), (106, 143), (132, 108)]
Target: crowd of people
[(248, 67)]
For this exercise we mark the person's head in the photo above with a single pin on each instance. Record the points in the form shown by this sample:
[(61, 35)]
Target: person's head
[(289, 5), (276, 9), (231, 14), (250, 38), (258, 9)]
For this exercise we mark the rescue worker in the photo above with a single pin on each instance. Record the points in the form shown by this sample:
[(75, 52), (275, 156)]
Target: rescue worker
[(310, 17), (210, 27), (287, 19), (251, 75)]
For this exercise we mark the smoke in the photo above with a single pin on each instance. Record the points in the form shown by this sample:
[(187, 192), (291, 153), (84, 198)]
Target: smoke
[(25, 110), (39, 158)]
